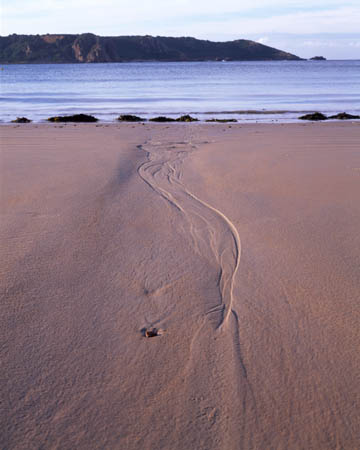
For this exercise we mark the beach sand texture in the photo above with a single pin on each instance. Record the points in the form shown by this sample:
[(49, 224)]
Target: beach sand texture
[(240, 244)]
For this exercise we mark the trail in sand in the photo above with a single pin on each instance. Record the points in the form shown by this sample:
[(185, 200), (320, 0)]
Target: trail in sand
[(214, 238), (214, 235)]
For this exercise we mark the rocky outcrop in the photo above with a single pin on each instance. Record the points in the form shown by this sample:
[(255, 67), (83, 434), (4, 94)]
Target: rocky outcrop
[(85, 48), (88, 48), (344, 116), (51, 38), (320, 116), (130, 118), (162, 119), (314, 116), (21, 120), (74, 118), (186, 118)]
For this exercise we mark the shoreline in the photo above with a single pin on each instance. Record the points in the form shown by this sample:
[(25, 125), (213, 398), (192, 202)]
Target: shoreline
[(241, 117), (197, 122)]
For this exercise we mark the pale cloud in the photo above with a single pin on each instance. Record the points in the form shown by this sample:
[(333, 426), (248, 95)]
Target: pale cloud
[(263, 40), (339, 20), (321, 44), (156, 7), (124, 12)]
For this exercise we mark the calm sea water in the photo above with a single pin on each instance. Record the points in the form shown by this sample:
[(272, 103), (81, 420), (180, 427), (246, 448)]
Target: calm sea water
[(251, 91)]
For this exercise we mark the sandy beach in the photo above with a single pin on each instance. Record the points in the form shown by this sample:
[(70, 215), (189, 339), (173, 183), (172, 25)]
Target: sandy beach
[(239, 243)]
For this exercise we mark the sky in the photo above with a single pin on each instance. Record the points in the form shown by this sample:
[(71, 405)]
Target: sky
[(307, 28)]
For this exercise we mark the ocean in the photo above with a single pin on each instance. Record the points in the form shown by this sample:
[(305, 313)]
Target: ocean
[(247, 91)]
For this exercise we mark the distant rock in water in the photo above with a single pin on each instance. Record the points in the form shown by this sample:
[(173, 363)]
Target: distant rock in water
[(21, 120), (130, 118), (74, 118), (221, 120), (317, 58), (314, 116), (344, 116), (186, 118), (89, 48), (162, 119)]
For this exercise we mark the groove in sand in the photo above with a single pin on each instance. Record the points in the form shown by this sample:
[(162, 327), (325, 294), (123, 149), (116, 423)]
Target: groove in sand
[(216, 239), (210, 229)]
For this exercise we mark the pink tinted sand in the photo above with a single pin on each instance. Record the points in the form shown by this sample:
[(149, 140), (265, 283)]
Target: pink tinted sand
[(241, 244)]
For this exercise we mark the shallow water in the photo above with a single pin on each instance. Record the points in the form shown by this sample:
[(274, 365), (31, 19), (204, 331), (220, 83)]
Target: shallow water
[(250, 91)]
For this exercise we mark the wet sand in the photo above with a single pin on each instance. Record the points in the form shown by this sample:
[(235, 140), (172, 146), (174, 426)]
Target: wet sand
[(239, 243)]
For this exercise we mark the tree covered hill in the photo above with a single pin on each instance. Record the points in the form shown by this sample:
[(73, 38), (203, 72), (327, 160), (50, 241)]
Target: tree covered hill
[(86, 48)]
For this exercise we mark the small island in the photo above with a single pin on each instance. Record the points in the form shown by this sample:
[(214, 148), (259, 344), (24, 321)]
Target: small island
[(318, 58)]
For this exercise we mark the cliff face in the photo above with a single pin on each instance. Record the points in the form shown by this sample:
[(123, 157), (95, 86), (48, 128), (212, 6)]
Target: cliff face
[(88, 47)]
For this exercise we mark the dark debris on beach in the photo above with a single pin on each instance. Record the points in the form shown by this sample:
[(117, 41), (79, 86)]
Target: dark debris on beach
[(221, 120)]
